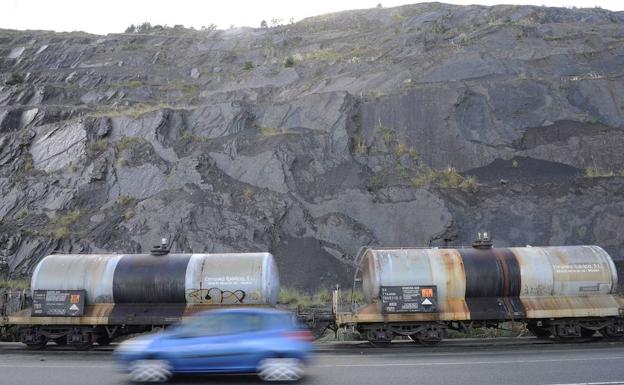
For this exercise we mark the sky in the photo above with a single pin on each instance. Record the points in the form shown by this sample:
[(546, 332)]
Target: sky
[(113, 16)]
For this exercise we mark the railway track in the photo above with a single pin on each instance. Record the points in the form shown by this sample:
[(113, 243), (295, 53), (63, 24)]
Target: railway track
[(364, 347)]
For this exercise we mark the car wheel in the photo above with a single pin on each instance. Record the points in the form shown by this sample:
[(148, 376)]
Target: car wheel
[(150, 371), (280, 369)]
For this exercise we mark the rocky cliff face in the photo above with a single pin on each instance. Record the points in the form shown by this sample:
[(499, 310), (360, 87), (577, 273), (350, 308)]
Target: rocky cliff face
[(416, 125)]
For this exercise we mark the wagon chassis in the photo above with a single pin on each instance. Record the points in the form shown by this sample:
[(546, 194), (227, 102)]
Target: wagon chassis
[(431, 333)]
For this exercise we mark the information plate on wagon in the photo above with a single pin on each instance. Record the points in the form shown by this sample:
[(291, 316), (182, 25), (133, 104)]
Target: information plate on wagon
[(408, 299), (58, 303)]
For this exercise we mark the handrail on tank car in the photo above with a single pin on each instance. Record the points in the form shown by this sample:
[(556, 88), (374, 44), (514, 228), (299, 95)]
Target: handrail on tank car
[(358, 263), (3, 309), (416, 247)]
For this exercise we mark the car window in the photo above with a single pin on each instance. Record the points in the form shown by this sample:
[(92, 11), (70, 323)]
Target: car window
[(220, 324), (280, 321)]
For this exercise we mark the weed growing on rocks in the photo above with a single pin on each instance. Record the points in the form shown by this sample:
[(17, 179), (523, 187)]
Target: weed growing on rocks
[(14, 79), (123, 200), (289, 62), (129, 214), (99, 145), (15, 284), (594, 172)]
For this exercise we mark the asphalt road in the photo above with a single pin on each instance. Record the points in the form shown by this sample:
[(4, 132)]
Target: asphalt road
[(595, 363)]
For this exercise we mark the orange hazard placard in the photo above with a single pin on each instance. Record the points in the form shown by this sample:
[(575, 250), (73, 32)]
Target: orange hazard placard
[(426, 293), (74, 298)]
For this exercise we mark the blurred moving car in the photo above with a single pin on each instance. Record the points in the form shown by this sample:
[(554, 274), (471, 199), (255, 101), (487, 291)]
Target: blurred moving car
[(245, 340)]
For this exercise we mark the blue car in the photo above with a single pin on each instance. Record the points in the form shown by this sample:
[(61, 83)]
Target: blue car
[(244, 340)]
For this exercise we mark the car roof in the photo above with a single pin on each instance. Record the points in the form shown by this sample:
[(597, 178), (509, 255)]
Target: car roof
[(244, 310)]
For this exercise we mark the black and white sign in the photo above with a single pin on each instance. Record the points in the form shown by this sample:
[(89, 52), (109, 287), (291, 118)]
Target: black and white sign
[(58, 303), (408, 299)]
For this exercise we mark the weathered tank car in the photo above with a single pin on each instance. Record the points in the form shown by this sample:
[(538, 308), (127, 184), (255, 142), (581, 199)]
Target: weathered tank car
[(567, 292), (112, 294)]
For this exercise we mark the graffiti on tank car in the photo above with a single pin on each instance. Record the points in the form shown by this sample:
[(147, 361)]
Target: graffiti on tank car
[(536, 290), (215, 295)]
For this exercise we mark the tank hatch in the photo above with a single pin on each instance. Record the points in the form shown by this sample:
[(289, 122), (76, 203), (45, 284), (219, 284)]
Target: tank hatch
[(483, 241)]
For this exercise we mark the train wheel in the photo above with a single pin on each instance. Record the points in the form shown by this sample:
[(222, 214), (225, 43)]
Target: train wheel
[(61, 341), (33, 339), (430, 336), (380, 338), (612, 333), (80, 340), (568, 332), (38, 344)]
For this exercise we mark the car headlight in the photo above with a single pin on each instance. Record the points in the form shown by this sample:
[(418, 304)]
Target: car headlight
[(134, 345)]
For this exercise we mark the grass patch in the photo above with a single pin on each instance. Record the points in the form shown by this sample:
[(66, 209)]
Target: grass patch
[(594, 172), (189, 90), (403, 171), (129, 214), (296, 298), (99, 145), (388, 135), (15, 284), (289, 62), (28, 165), (248, 192), (127, 142), (506, 329), (135, 111), (65, 222), (62, 233), (376, 94), (447, 178), (325, 55), (469, 184), (424, 178), (400, 150), (124, 200), (13, 79), (69, 218), (270, 131), (360, 147), (133, 47)]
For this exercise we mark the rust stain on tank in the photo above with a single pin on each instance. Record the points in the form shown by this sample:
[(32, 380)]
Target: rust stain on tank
[(560, 306)]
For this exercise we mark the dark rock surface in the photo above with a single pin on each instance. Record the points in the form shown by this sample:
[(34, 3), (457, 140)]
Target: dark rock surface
[(110, 142)]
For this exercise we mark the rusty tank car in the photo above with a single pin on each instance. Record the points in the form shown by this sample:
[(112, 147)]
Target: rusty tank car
[(98, 297), (569, 292)]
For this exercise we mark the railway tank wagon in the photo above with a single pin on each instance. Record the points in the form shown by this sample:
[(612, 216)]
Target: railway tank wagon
[(568, 292), (137, 292)]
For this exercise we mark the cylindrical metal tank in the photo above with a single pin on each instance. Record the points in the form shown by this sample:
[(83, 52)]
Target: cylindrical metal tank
[(500, 282), (233, 278)]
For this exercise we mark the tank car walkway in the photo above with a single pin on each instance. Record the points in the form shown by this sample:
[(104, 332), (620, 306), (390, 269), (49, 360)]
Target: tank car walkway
[(595, 363)]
